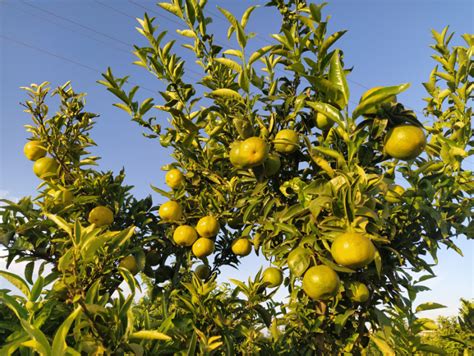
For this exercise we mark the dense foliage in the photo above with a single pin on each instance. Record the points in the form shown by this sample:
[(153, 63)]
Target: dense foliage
[(266, 159)]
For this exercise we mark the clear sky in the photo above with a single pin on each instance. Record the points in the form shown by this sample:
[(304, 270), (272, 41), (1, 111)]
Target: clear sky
[(56, 41)]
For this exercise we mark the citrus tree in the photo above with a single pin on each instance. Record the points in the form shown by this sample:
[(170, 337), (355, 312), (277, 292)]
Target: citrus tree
[(268, 159)]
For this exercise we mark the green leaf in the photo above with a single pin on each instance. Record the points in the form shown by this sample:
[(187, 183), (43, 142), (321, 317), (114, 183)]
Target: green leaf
[(329, 42), (17, 281), (328, 110), (428, 306), (377, 97), (150, 335), (338, 78), (382, 346), (187, 33), (298, 261), (246, 15), (16, 307), (234, 52), (264, 314), (255, 56), (37, 289), (229, 63), (174, 9), (42, 344), (227, 94), (60, 222), (59, 342), (241, 38)]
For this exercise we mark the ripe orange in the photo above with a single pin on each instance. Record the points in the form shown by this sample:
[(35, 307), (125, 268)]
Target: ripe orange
[(170, 211), (353, 250), (174, 178), (45, 167), (202, 271), (286, 141), (405, 142), (242, 246), (394, 193), (375, 109), (185, 235), (33, 150), (129, 263), (322, 121), (253, 151), (272, 165), (203, 247), (321, 282), (101, 216), (207, 226), (272, 276), (358, 292)]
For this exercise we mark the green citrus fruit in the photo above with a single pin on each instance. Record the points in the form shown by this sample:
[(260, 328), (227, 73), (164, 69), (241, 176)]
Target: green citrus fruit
[(152, 258), (358, 292), (45, 167), (298, 261), (33, 150), (272, 276), (203, 247), (207, 226), (405, 142), (174, 178), (236, 159), (202, 271), (170, 211), (185, 235), (253, 151), (101, 216), (130, 263), (242, 246), (394, 193), (163, 273), (272, 165), (321, 282), (322, 121), (353, 250), (286, 141)]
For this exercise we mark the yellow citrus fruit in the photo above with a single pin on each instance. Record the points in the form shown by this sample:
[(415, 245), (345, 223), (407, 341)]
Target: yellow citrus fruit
[(321, 282), (272, 276), (373, 110), (322, 121), (394, 193), (170, 211), (286, 141), (129, 263), (207, 226), (45, 167), (242, 246), (353, 250), (405, 142), (358, 292), (203, 247), (253, 151), (33, 150), (174, 178), (272, 165), (235, 157), (185, 235), (101, 216), (202, 271)]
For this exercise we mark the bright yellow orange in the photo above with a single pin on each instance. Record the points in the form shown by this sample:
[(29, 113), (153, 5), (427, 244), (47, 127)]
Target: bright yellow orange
[(405, 142), (174, 178), (358, 292), (207, 226), (203, 247), (322, 121), (321, 282), (286, 141), (33, 150), (101, 216), (272, 276), (170, 211), (185, 235), (353, 250), (242, 246), (45, 167)]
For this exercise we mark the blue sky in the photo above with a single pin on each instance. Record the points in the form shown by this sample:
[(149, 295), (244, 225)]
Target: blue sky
[(56, 41)]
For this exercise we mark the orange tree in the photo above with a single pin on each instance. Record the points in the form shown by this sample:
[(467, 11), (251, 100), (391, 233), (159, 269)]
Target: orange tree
[(269, 160)]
